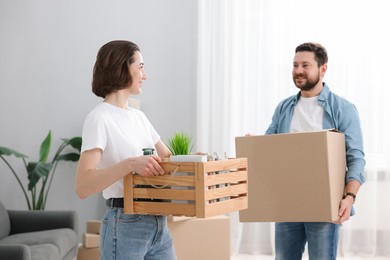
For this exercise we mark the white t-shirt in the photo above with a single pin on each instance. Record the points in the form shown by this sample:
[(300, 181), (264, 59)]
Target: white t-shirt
[(120, 134), (308, 115)]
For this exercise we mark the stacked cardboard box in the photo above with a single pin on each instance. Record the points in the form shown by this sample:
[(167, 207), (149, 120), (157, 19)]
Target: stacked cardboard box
[(90, 248), (201, 238), (194, 238)]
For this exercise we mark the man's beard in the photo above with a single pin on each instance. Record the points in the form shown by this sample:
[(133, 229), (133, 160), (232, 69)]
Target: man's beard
[(309, 85)]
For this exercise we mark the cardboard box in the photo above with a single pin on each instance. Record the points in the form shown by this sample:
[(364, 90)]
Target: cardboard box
[(294, 177), (194, 239), (206, 239), (203, 189), (91, 240), (171, 218), (93, 226), (88, 253)]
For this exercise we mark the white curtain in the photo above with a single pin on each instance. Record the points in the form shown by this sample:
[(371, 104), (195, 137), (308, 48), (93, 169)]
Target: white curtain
[(245, 58)]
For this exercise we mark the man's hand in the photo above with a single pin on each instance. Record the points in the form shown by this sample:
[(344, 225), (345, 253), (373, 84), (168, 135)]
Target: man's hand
[(345, 209)]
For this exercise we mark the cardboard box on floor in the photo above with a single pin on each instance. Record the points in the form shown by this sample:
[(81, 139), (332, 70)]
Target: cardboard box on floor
[(198, 238), (89, 250), (93, 226), (194, 238), (91, 240), (88, 253), (294, 177)]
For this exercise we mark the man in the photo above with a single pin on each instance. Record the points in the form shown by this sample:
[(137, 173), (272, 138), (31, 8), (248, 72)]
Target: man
[(315, 107)]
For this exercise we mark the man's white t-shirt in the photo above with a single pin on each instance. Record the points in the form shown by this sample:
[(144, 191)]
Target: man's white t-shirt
[(308, 115), (120, 134)]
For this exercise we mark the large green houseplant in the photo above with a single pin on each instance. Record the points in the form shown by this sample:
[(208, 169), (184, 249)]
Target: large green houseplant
[(40, 174)]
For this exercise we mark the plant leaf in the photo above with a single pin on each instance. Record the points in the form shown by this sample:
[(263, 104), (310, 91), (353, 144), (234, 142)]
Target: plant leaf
[(73, 157), (75, 142), (36, 171), (45, 148), (179, 144), (8, 151)]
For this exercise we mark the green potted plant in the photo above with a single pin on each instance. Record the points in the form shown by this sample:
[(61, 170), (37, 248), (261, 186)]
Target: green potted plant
[(180, 143), (181, 148), (40, 174)]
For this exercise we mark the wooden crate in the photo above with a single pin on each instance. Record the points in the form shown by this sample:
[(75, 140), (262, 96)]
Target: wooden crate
[(193, 189)]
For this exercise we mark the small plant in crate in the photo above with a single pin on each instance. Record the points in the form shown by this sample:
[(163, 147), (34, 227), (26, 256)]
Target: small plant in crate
[(180, 144)]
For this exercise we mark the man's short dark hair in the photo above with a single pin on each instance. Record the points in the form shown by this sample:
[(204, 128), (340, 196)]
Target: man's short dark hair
[(320, 53), (111, 70)]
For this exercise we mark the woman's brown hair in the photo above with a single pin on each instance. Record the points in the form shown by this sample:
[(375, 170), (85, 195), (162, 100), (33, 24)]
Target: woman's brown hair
[(111, 70)]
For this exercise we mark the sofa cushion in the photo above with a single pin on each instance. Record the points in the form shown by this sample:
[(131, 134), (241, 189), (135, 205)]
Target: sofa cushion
[(62, 240), (19, 251), (5, 225), (45, 251)]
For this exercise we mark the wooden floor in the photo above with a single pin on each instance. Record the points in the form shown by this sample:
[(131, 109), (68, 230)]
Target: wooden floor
[(267, 257)]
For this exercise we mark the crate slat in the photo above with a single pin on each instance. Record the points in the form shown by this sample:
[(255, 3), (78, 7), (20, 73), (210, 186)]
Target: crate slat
[(178, 166), (168, 194), (221, 178), (239, 163), (222, 207), (222, 192), (168, 179), (161, 208), (200, 190), (128, 194)]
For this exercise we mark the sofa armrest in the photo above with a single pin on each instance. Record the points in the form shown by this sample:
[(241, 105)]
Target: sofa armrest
[(15, 252), (29, 221)]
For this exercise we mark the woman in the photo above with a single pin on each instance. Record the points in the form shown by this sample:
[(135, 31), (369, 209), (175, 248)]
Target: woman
[(113, 138)]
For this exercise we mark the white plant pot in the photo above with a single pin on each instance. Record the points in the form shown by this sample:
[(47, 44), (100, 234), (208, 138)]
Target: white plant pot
[(188, 158)]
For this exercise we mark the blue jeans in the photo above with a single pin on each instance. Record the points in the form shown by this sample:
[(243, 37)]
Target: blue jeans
[(135, 237), (291, 238)]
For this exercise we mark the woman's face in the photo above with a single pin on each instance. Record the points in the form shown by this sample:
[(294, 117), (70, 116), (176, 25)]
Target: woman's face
[(137, 73)]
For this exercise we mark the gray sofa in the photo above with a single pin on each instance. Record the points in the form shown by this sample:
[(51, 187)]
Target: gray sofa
[(38, 235)]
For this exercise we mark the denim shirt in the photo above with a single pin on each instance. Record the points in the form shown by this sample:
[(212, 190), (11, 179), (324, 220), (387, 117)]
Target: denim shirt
[(339, 114)]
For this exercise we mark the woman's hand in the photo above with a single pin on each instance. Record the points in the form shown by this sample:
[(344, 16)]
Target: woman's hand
[(90, 180), (147, 165)]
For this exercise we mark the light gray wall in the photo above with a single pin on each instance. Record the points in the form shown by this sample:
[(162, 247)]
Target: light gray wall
[(47, 51)]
